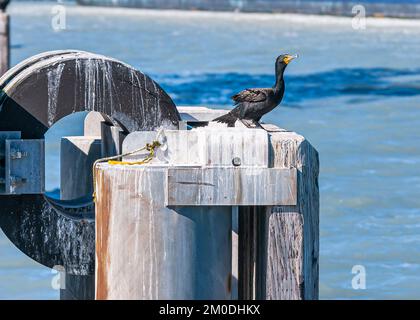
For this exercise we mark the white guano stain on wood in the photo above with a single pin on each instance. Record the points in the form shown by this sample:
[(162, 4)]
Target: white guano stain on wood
[(152, 251), (281, 242), (54, 76), (204, 146)]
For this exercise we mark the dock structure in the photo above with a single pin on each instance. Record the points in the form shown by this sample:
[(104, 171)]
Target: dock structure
[(4, 38), (215, 212), (166, 230)]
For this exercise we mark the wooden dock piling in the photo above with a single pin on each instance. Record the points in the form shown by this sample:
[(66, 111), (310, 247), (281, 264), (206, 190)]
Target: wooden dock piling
[(146, 250), (77, 157), (279, 245), (4, 42), (219, 213), (165, 230), (78, 154)]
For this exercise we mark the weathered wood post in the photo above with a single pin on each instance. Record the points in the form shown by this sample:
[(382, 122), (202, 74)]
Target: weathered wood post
[(164, 230), (152, 218), (291, 234), (4, 38), (77, 157), (146, 250), (279, 245), (112, 139), (156, 238)]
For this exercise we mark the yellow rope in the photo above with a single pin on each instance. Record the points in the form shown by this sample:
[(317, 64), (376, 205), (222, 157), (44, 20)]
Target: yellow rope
[(111, 160)]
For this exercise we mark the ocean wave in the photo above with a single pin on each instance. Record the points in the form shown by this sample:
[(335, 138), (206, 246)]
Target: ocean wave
[(359, 84)]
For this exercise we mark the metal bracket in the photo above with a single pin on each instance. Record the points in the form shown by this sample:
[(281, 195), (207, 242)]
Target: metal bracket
[(21, 164), (17, 154), (5, 135)]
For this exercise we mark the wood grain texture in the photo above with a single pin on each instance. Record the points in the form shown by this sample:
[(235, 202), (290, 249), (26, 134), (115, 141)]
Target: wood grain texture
[(280, 244), (199, 114), (112, 140), (292, 232), (204, 146), (248, 252), (235, 252), (224, 186), (284, 276), (4, 43), (78, 287), (146, 250), (78, 155)]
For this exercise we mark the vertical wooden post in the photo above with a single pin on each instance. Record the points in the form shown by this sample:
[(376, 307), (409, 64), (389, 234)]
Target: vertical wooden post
[(279, 245), (250, 252), (93, 123), (291, 233), (77, 157), (235, 252), (4, 43), (148, 250), (78, 287), (162, 232), (112, 139)]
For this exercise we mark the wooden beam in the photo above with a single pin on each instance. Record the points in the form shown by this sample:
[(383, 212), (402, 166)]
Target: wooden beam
[(78, 287), (78, 154), (279, 245), (156, 215), (4, 43), (200, 114), (229, 186), (235, 252), (203, 147), (112, 138)]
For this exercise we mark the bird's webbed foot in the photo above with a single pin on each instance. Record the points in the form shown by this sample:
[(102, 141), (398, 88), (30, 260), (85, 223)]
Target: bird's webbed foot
[(251, 124), (258, 125)]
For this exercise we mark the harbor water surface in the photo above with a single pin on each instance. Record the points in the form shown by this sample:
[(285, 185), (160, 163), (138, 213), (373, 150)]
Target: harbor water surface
[(353, 93)]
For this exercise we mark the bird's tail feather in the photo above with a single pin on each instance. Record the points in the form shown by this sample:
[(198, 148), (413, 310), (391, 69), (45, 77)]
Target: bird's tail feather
[(228, 118)]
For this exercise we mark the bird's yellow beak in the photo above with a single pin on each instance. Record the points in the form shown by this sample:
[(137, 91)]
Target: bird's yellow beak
[(289, 58)]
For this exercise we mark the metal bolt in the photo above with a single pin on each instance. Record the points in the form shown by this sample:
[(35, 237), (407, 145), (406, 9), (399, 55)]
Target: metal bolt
[(236, 161), (15, 180), (17, 154)]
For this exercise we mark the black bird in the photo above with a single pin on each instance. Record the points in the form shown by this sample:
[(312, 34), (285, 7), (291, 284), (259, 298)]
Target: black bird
[(252, 104), (3, 4)]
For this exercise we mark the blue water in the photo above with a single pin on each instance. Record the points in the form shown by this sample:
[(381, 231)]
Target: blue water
[(355, 94), (366, 83), (366, 1)]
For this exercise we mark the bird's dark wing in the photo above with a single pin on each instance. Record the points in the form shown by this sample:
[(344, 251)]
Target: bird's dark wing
[(3, 4), (250, 95)]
